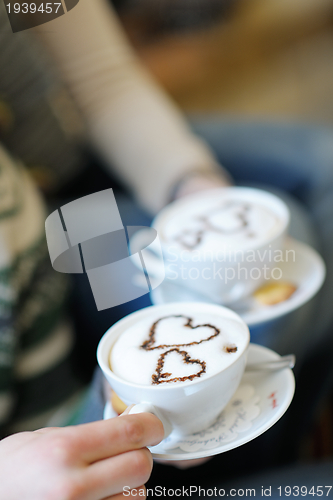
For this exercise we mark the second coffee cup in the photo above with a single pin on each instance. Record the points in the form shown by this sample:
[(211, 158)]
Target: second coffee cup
[(222, 243)]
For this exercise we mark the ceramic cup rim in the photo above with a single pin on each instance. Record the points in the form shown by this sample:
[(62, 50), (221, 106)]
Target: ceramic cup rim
[(282, 210), (104, 343)]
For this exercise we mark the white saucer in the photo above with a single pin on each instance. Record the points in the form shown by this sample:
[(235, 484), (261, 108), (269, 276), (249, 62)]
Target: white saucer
[(305, 269), (260, 401)]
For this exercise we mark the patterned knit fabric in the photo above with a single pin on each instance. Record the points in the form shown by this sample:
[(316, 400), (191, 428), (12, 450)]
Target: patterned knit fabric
[(37, 125), (38, 122), (35, 340)]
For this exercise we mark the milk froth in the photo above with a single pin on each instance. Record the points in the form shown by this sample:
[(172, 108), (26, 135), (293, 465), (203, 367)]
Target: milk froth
[(221, 220), (177, 349)]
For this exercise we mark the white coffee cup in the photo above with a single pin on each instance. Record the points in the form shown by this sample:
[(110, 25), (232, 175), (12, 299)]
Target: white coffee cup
[(185, 407), (226, 274)]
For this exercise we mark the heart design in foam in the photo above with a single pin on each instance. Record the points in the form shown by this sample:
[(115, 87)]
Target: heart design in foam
[(228, 219), (160, 377), (191, 239), (178, 331)]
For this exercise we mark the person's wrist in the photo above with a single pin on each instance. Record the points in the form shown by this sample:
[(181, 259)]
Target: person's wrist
[(199, 180)]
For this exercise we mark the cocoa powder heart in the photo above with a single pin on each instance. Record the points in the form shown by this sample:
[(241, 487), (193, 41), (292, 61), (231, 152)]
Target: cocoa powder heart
[(149, 344), (159, 378), (191, 239)]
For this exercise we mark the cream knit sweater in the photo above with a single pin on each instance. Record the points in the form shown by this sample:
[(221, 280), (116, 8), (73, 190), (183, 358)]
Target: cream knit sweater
[(130, 120)]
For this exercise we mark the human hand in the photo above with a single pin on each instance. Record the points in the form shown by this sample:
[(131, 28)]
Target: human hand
[(86, 462), (201, 181), (179, 464)]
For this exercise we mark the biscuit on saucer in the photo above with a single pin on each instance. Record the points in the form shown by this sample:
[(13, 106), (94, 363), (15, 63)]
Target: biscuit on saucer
[(117, 404), (274, 292)]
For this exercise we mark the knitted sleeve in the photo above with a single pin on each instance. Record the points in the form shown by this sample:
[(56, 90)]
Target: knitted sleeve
[(133, 124)]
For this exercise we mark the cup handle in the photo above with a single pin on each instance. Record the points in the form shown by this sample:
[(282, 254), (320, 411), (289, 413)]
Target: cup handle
[(149, 408)]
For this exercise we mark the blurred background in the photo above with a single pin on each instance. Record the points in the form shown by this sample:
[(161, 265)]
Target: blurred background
[(259, 58)]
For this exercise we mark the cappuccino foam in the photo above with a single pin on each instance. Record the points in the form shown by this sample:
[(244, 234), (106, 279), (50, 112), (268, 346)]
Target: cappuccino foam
[(221, 221), (178, 348)]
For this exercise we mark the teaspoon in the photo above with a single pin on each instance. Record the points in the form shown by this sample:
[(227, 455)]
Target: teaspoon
[(276, 364)]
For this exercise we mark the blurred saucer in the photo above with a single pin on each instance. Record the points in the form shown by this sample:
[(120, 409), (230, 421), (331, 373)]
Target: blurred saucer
[(306, 270)]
